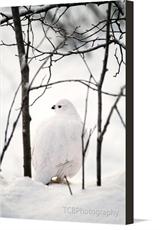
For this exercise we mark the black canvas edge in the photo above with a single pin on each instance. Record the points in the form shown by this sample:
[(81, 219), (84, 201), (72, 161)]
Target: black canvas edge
[(129, 114)]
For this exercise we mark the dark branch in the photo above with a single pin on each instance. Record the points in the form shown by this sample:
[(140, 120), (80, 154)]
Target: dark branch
[(81, 81), (111, 112), (68, 184), (9, 113), (106, 55), (99, 94), (23, 60), (7, 143), (120, 116), (44, 8), (116, 41)]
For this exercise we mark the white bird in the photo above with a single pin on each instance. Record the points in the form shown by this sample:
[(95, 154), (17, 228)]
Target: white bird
[(57, 149)]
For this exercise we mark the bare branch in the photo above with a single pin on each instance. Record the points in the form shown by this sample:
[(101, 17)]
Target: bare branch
[(89, 137), (5, 44), (120, 116), (118, 42), (23, 60), (106, 55), (88, 68), (48, 80), (111, 112), (7, 143), (84, 149), (68, 184), (120, 6), (119, 62), (64, 54), (99, 94), (44, 8), (28, 39), (81, 81), (9, 113)]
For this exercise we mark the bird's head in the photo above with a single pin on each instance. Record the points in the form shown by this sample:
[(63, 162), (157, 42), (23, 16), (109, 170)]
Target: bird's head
[(64, 107)]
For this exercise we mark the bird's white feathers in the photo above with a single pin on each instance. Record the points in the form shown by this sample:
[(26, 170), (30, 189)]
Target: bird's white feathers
[(57, 148)]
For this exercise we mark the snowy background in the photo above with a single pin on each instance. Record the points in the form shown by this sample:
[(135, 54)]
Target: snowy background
[(113, 153)]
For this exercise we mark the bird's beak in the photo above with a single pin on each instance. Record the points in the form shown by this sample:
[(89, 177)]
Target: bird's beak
[(53, 107)]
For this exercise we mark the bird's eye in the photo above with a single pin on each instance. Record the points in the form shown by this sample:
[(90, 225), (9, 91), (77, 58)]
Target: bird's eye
[(59, 106)]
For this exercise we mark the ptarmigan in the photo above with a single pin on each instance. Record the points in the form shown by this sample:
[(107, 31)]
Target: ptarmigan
[(57, 149)]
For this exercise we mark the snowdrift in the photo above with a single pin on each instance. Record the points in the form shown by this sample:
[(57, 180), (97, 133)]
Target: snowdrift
[(25, 198)]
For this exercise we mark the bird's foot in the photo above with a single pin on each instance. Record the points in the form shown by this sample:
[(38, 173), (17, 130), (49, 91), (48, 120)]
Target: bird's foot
[(60, 180), (56, 180)]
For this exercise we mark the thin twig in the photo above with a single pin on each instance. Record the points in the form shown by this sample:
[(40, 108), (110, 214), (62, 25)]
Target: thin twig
[(68, 184), (9, 113), (44, 8), (84, 148), (48, 80), (81, 81), (120, 116), (6, 145), (89, 137), (43, 64), (110, 113)]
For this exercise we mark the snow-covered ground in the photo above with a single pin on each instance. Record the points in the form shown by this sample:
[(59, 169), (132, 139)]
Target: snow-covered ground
[(25, 198)]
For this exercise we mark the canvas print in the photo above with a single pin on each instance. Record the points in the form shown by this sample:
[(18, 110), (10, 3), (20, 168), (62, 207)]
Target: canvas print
[(63, 112)]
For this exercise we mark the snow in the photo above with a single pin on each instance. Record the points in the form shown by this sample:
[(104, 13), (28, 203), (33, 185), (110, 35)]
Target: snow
[(25, 198)]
